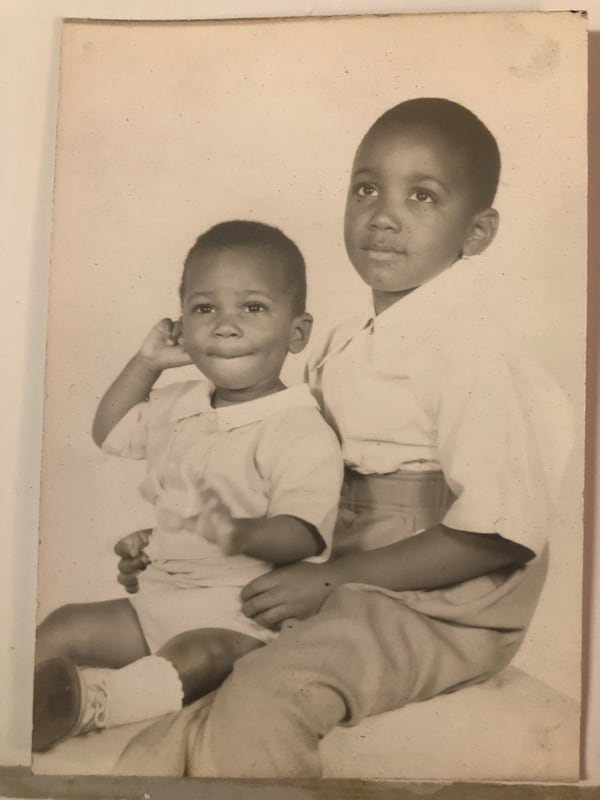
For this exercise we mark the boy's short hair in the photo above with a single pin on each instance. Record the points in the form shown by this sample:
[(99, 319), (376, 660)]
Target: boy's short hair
[(246, 233), (463, 130)]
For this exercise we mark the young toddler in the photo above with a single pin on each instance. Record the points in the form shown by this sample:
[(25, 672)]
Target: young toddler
[(454, 443), (243, 474)]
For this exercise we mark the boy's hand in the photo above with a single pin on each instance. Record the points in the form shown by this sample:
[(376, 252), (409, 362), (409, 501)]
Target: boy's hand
[(163, 348), (295, 591), (133, 558)]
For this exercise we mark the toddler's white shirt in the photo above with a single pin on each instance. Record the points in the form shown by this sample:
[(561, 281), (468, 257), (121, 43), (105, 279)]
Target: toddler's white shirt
[(265, 457)]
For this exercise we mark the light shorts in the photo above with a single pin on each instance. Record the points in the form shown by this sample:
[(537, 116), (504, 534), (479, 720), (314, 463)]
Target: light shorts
[(164, 611)]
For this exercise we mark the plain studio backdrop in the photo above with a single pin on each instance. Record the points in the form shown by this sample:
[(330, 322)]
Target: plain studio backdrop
[(166, 129)]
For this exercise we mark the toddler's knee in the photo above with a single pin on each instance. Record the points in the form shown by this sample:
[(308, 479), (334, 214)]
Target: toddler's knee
[(57, 633), (196, 652)]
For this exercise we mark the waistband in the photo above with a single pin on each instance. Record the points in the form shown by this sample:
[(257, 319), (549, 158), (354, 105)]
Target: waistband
[(402, 489)]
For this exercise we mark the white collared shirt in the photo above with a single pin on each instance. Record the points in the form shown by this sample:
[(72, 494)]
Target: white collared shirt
[(434, 382), (265, 457)]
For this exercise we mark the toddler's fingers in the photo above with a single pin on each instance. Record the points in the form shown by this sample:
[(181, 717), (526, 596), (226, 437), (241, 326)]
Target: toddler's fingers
[(209, 532), (164, 326), (123, 548), (129, 566), (130, 582), (131, 546), (210, 500), (176, 331)]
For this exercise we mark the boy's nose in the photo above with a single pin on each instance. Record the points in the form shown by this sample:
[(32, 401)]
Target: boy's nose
[(385, 217)]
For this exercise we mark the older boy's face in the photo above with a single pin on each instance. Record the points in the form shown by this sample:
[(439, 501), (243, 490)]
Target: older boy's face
[(237, 319), (408, 210)]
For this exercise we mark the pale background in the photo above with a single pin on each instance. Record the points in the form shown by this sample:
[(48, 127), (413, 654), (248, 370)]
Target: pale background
[(166, 129), (148, 199)]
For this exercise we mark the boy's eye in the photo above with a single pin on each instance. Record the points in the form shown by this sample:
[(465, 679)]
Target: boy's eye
[(366, 190), (254, 308), (203, 308), (422, 196)]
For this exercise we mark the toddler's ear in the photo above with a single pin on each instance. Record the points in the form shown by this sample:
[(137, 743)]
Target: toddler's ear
[(300, 333), (482, 232)]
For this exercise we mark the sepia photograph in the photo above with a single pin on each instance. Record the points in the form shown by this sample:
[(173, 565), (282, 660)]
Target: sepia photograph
[(313, 446)]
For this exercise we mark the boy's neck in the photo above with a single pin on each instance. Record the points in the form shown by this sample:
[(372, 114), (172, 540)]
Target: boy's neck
[(230, 397), (383, 300)]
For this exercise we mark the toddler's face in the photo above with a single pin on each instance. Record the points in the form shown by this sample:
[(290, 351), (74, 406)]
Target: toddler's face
[(238, 322), (408, 210)]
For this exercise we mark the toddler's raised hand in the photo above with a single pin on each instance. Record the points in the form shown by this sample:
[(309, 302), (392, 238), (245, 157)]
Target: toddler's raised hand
[(133, 559), (215, 522), (163, 348)]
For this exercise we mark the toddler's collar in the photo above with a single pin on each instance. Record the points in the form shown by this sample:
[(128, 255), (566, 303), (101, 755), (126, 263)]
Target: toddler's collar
[(196, 399), (241, 414)]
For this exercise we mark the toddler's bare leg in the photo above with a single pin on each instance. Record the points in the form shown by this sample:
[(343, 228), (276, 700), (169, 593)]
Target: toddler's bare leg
[(104, 634), (204, 657)]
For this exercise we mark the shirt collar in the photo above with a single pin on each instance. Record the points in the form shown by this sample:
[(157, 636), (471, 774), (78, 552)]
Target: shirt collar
[(417, 311), (196, 399)]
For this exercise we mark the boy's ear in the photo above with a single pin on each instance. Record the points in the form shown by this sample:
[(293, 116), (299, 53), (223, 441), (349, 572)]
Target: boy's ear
[(300, 333), (482, 232)]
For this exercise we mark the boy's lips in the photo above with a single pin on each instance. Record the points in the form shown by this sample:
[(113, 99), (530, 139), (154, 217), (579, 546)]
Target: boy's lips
[(382, 247), (382, 252)]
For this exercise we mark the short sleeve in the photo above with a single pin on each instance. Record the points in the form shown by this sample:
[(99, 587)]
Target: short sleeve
[(129, 437), (504, 434), (301, 461)]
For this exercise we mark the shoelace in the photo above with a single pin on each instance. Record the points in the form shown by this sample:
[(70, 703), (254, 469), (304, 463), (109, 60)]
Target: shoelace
[(93, 707)]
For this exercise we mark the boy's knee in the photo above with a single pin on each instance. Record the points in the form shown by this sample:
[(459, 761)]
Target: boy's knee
[(271, 677), (278, 702)]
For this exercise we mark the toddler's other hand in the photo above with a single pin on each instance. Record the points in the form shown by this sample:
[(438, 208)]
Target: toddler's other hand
[(133, 559), (295, 591), (163, 346)]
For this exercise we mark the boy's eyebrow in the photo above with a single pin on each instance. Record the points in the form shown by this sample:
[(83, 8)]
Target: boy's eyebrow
[(421, 176), (211, 292), (362, 170)]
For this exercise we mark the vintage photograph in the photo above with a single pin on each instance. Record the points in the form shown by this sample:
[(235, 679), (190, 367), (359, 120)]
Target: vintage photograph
[(312, 466)]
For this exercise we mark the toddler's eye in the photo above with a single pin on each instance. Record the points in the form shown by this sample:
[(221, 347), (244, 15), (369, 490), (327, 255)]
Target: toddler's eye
[(203, 308), (254, 308), (422, 196), (366, 190)]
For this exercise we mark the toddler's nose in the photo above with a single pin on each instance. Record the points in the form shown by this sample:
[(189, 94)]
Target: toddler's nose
[(226, 325)]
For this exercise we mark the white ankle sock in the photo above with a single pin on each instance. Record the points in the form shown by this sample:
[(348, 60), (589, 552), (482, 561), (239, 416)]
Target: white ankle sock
[(142, 690)]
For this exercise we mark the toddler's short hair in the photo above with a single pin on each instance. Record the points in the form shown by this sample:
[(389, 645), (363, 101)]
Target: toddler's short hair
[(463, 130), (246, 233)]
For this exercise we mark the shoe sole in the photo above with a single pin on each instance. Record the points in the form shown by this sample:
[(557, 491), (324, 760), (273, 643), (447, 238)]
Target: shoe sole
[(56, 702)]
